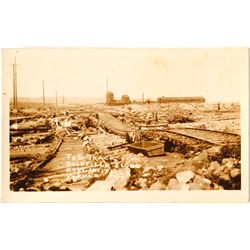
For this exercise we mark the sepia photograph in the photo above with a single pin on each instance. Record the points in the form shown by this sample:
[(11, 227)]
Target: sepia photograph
[(91, 120)]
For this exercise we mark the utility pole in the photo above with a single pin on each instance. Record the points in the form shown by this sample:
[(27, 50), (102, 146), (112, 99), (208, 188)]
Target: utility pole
[(63, 100), (43, 95), (142, 97), (56, 98), (107, 82), (14, 85)]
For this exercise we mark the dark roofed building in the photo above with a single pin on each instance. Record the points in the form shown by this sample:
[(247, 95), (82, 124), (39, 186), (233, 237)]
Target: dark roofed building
[(195, 99)]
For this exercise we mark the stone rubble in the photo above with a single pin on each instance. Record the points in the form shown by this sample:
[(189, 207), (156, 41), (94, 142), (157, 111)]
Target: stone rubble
[(216, 168)]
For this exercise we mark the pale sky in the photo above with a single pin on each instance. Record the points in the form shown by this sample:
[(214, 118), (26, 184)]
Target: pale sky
[(215, 74)]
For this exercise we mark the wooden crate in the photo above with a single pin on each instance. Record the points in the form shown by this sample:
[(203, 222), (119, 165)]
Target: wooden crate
[(147, 148)]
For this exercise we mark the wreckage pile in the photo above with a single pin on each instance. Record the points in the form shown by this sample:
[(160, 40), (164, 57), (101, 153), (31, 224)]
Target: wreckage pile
[(39, 141), (137, 172), (35, 138)]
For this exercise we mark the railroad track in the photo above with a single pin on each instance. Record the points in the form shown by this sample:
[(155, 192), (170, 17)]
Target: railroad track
[(211, 136), (185, 139), (189, 137)]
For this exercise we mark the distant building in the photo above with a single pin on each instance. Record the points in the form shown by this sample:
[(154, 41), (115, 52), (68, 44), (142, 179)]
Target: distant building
[(110, 100), (181, 99), (125, 99)]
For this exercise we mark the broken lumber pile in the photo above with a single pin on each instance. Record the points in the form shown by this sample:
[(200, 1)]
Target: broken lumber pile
[(113, 125)]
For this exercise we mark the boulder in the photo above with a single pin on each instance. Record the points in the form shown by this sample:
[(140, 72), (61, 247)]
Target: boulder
[(200, 160), (229, 164), (219, 171), (224, 178), (225, 160), (45, 179), (185, 176), (100, 186), (118, 179), (204, 183), (217, 187), (160, 167), (172, 182), (226, 170), (157, 186), (194, 186), (135, 166), (181, 186), (147, 168), (142, 183), (235, 172), (199, 172), (214, 165)]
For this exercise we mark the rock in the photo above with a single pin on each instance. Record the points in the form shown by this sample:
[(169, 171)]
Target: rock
[(229, 164), (55, 187), (200, 160), (225, 178), (204, 183), (118, 179), (45, 179), (235, 162), (147, 174), (226, 170), (203, 169), (194, 186), (135, 166), (172, 182), (132, 188), (180, 186), (100, 186), (160, 167), (157, 186), (214, 150), (225, 181), (225, 160), (27, 163), (199, 172), (217, 187), (141, 182), (33, 189), (219, 171), (208, 174), (235, 172), (147, 168), (185, 176), (214, 165)]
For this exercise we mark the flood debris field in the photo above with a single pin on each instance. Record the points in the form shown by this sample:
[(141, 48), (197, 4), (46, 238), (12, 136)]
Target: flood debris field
[(132, 147)]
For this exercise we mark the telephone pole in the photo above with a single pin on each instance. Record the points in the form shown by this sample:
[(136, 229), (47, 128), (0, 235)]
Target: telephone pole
[(14, 85), (107, 82), (56, 98), (43, 95)]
